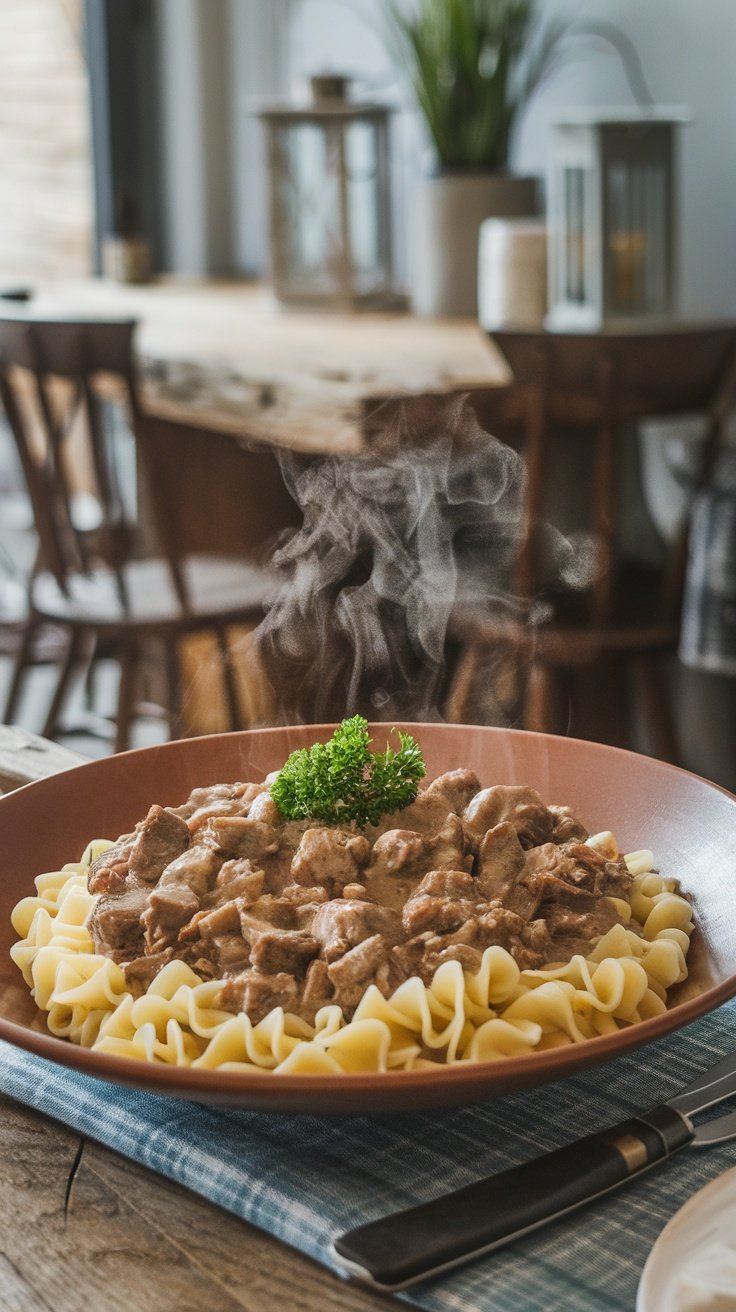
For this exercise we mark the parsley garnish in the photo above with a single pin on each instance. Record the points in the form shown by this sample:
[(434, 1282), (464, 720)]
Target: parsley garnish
[(342, 780)]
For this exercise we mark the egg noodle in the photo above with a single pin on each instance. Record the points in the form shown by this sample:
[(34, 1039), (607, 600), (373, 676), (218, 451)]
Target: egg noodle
[(500, 1011)]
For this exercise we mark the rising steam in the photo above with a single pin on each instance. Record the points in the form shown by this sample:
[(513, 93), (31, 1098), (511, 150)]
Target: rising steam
[(391, 543)]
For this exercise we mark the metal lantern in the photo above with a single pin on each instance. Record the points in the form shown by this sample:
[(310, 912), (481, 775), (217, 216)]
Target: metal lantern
[(330, 203), (611, 219)]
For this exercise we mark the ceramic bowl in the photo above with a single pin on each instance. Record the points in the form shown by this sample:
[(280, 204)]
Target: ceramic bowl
[(690, 825)]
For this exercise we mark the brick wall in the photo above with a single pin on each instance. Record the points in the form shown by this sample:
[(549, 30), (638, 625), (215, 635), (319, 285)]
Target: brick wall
[(45, 162)]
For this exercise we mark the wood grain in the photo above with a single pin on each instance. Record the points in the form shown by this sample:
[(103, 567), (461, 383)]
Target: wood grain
[(221, 356), (25, 757), (130, 1239)]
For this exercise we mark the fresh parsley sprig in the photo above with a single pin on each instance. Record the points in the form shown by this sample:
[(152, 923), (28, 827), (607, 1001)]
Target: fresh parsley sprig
[(342, 780)]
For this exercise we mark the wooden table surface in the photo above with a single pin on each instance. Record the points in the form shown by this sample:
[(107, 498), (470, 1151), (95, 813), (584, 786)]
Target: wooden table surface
[(84, 1228), (225, 356)]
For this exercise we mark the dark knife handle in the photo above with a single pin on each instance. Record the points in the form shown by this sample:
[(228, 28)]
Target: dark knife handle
[(408, 1246)]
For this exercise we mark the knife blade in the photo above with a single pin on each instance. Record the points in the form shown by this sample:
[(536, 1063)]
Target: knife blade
[(405, 1247)]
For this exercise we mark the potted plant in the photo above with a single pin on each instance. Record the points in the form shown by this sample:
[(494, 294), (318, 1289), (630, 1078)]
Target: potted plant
[(473, 65)]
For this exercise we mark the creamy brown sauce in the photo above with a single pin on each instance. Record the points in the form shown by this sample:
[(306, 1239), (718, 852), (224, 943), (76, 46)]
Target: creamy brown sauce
[(300, 915)]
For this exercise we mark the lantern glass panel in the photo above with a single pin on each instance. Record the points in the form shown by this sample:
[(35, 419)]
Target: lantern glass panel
[(574, 260), (309, 202), (330, 208), (363, 180), (636, 244)]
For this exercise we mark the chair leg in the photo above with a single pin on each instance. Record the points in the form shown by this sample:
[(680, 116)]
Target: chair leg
[(173, 683), (540, 699), (126, 695), (62, 684), (237, 719), (90, 681), (20, 665), (459, 695), (657, 709)]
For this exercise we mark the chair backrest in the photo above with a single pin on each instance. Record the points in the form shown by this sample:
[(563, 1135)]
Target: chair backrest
[(50, 376)]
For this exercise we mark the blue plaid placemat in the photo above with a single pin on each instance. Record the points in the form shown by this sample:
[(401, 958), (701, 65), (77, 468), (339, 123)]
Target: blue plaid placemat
[(306, 1179)]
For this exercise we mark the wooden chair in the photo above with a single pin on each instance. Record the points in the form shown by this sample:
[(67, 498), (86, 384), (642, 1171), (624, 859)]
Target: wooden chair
[(589, 386), (93, 578)]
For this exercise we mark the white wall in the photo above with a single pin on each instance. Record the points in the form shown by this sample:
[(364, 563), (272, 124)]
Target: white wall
[(260, 70)]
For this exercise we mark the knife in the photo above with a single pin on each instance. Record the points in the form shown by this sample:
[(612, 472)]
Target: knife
[(400, 1249)]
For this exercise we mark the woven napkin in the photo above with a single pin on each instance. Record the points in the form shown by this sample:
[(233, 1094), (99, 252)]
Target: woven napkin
[(307, 1179)]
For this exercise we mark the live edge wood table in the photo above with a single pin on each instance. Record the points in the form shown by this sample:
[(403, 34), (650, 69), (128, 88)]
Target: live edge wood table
[(69, 1206), (224, 357)]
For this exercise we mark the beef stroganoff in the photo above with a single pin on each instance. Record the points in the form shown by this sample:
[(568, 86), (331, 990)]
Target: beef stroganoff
[(473, 924)]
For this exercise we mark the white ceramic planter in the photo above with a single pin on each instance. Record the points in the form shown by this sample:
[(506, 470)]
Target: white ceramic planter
[(447, 212)]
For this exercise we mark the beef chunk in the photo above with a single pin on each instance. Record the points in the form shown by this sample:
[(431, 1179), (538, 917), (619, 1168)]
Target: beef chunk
[(535, 934), (565, 825), (352, 891), (115, 924), (214, 800), (495, 925), (425, 815), (446, 849), (239, 835), (197, 869), (230, 952), (521, 806), (405, 852), (252, 925), (354, 971), (143, 970), (109, 872), (204, 967), (568, 884), (214, 795), (449, 883), (319, 991), (489, 924), (264, 808), (330, 857), (296, 906), (616, 880), (269, 911), (554, 868), (238, 878), (500, 860), (341, 924), (283, 950), (569, 922), (575, 863), (257, 994), (458, 786), (438, 914), (470, 958), (408, 958), (222, 919), (397, 851), (168, 909), (159, 839), (301, 895)]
